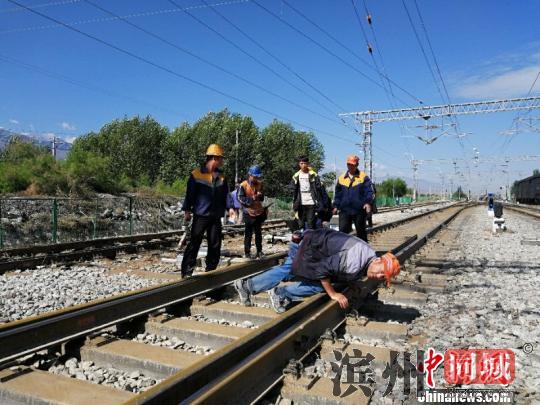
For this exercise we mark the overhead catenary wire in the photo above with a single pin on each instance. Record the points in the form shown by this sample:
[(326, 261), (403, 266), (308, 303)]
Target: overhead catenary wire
[(210, 63), (441, 87), (347, 48), (107, 19), (318, 44), (174, 73), (249, 55), (274, 57), (85, 85)]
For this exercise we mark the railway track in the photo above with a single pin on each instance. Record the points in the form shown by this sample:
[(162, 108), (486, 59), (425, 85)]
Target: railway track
[(530, 210), (39, 255), (159, 311)]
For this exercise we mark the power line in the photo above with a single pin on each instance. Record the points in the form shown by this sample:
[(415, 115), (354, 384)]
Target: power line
[(249, 55), (318, 44), (278, 60), (423, 51), (99, 20), (210, 63), (445, 97), (85, 85), (348, 49), (50, 4), (172, 72)]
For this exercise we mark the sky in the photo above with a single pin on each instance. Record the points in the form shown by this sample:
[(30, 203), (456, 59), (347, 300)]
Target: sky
[(79, 64)]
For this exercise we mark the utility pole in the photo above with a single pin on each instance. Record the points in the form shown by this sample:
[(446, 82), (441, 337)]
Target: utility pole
[(236, 162), (53, 149)]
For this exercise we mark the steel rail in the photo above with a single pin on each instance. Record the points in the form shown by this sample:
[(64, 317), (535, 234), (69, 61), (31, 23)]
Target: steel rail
[(72, 251), (35, 333), (532, 212), (237, 372), (59, 247), (31, 334)]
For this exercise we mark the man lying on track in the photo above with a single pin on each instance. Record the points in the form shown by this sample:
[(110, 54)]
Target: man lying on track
[(323, 257)]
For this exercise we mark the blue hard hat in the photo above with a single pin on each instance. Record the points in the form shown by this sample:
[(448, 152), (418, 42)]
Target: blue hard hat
[(255, 171)]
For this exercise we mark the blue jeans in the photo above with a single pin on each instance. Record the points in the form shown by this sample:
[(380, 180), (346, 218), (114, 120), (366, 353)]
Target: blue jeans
[(271, 278), (299, 290)]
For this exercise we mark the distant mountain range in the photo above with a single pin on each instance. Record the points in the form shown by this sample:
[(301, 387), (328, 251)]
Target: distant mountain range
[(39, 139)]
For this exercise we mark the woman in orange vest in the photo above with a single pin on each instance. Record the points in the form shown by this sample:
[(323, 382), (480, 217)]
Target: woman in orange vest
[(251, 196)]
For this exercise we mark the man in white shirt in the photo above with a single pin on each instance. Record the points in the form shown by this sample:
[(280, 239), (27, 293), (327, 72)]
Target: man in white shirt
[(308, 194)]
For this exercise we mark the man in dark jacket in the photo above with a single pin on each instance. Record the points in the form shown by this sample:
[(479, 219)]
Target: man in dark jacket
[(206, 199), (353, 198), (307, 197), (325, 256)]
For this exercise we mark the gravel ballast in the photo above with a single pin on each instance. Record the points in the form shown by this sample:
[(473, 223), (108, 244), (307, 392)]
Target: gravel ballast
[(492, 299), (29, 293)]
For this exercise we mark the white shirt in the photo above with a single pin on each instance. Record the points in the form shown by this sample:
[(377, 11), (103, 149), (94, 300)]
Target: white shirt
[(305, 191)]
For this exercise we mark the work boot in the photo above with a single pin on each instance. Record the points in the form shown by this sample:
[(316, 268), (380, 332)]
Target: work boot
[(275, 301), (187, 273), (243, 292)]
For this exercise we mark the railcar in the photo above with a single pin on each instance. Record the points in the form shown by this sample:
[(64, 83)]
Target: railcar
[(528, 190)]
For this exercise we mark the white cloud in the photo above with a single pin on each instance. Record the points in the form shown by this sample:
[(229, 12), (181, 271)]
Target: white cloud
[(67, 126), (501, 84), (70, 139), (13, 121)]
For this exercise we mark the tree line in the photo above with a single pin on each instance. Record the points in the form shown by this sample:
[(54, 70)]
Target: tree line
[(131, 154)]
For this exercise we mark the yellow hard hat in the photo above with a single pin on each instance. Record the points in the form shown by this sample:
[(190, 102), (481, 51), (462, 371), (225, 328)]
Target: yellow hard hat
[(214, 150)]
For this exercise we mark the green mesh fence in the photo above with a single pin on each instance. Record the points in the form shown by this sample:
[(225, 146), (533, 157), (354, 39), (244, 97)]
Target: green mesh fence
[(31, 221)]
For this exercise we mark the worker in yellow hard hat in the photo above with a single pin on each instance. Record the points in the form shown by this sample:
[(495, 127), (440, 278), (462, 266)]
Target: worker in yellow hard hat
[(206, 199)]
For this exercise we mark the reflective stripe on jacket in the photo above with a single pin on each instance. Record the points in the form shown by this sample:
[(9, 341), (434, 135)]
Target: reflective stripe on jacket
[(206, 195), (314, 188), (352, 194), (246, 195)]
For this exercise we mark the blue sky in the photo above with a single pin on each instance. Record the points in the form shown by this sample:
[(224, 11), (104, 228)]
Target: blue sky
[(57, 80)]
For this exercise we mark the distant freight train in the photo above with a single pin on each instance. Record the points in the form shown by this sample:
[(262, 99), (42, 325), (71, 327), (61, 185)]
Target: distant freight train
[(528, 190)]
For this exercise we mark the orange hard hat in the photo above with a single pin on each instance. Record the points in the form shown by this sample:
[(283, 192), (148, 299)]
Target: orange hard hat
[(214, 150), (353, 159), (391, 267)]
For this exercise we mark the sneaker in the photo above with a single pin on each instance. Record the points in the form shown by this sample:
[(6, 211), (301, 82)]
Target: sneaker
[(243, 292), (247, 256), (259, 255), (275, 301)]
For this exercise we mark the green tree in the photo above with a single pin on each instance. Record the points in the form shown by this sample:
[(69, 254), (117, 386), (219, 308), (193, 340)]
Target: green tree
[(536, 172), (392, 187), (280, 148), (132, 147), (88, 171), (458, 194), (185, 148), (25, 166), (328, 179)]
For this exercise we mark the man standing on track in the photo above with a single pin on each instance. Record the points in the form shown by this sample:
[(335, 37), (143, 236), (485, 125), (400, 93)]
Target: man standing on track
[(206, 199), (307, 195), (251, 196), (352, 198)]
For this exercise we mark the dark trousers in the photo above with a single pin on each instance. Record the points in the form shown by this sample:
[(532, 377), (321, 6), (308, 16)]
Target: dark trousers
[(359, 220), (200, 225), (306, 216), (252, 225)]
